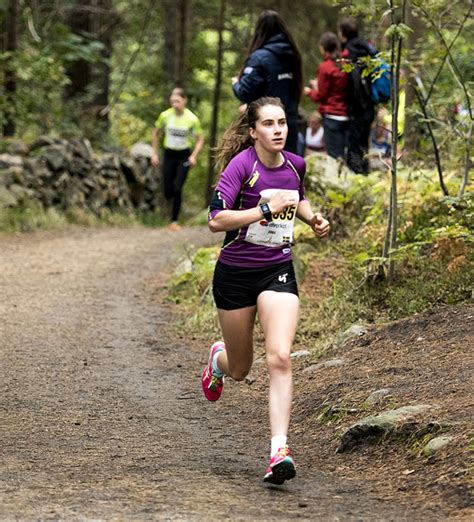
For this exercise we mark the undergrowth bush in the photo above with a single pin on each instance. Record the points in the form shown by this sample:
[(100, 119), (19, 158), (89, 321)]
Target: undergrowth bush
[(434, 258), (29, 216)]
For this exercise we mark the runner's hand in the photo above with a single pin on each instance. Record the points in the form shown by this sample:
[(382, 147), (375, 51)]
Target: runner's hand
[(192, 161), (319, 225), (280, 200), (155, 160)]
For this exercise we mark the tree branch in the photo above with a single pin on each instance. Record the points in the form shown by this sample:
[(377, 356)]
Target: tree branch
[(421, 99), (448, 47), (130, 62)]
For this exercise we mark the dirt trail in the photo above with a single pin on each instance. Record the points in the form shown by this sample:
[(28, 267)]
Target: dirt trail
[(101, 415)]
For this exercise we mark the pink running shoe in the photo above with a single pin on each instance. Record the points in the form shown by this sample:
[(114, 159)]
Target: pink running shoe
[(281, 467), (212, 385)]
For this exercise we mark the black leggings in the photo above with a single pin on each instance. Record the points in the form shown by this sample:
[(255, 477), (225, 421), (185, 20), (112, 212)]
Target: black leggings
[(175, 170), (358, 142)]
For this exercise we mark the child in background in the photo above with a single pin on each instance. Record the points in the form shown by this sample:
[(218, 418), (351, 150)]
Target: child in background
[(315, 134)]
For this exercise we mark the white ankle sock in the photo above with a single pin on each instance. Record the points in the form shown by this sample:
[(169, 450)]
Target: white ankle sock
[(278, 441), (215, 369)]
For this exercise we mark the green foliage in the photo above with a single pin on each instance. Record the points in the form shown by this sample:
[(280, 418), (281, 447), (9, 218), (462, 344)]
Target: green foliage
[(435, 258), (40, 77), (190, 286), (29, 216)]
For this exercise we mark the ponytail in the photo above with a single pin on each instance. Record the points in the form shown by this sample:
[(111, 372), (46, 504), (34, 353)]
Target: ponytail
[(234, 140), (237, 137)]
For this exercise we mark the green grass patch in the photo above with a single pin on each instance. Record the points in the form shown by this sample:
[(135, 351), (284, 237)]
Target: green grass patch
[(434, 260), (190, 287), (30, 216)]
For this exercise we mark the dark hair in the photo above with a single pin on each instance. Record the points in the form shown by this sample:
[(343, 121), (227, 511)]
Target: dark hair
[(178, 91), (329, 42), (269, 24), (237, 137), (348, 27)]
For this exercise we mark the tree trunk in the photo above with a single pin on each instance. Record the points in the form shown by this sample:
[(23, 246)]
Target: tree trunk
[(176, 15), (411, 131), (11, 44), (179, 73), (102, 28), (215, 104), (170, 30), (90, 82), (390, 243), (78, 20)]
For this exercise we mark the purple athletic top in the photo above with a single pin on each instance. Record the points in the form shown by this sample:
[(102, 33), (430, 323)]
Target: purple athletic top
[(239, 189)]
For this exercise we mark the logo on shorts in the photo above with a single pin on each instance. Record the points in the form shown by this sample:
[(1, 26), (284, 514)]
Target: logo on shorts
[(282, 278)]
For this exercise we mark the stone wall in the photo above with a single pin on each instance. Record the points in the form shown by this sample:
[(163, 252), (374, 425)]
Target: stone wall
[(68, 173)]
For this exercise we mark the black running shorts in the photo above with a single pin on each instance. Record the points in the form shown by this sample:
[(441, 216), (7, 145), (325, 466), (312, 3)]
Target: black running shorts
[(237, 287)]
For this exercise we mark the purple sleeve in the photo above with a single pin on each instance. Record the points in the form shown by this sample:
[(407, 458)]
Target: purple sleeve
[(228, 188)]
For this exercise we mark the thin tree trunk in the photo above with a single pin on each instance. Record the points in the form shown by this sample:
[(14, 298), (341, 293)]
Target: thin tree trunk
[(179, 69), (390, 242), (467, 161), (102, 28), (394, 160), (439, 167), (169, 59), (78, 20), (411, 132), (11, 44), (216, 100)]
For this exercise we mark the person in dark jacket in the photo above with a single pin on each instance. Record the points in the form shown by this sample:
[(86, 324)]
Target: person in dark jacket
[(273, 67), (361, 106), (330, 91)]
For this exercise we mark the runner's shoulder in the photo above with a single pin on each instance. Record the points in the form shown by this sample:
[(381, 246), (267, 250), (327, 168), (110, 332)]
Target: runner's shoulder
[(297, 161)]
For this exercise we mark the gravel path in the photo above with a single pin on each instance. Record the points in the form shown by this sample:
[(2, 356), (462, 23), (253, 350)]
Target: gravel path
[(101, 416)]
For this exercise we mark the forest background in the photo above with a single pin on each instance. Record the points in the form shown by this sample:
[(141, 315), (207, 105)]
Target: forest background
[(103, 70)]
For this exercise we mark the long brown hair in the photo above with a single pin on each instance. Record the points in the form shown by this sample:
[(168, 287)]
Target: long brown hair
[(269, 24), (237, 137)]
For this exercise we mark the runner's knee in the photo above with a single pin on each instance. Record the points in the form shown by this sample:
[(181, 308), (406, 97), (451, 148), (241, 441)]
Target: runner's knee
[(279, 360)]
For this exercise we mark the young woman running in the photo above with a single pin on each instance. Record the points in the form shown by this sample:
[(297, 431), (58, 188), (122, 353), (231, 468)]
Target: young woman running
[(180, 128), (258, 196)]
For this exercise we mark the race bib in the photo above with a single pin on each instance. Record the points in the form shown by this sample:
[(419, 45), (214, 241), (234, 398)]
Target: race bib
[(277, 232), (176, 138)]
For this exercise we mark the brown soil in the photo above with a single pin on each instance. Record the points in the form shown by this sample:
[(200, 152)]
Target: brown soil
[(102, 415)]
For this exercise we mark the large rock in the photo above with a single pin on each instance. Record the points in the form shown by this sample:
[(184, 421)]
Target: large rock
[(375, 427), (81, 148), (18, 148), (356, 330), (141, 150), (69, 174), (10, 160), (56, 157), (7, 199), (434, 445)]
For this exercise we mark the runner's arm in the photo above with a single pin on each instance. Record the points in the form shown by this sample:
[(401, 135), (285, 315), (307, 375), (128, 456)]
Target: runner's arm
[(155, 139), (316, 221), (226, 220), (197, 149)]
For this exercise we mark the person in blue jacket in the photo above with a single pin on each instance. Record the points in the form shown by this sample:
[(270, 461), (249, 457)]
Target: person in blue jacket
[(273, 67)]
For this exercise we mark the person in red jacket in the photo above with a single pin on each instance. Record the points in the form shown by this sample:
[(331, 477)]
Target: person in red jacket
[(330, 91)]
